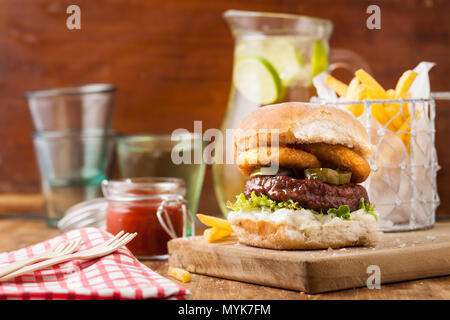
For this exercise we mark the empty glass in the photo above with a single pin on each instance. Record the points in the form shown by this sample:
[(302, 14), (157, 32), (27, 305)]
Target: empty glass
[(72, 166), (82, 108), (72, 143)]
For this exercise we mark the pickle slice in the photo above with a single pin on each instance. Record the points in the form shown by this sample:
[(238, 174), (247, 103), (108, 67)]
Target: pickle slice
[(328, 175), (281, 172), (344, 177)]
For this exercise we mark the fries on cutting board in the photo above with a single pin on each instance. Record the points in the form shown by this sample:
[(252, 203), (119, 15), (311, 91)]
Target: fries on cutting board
[(179, 274), (363, 86), (220, 228)]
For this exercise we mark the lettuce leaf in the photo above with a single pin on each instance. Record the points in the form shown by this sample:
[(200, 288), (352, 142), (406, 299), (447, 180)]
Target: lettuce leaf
[(260, 202), (263, 202), (342, 212), (317, 212), (368, 208)]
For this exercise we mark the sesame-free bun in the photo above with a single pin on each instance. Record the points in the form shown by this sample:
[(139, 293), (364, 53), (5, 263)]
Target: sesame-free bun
[(302, 123), (286, 229), (300, 127)]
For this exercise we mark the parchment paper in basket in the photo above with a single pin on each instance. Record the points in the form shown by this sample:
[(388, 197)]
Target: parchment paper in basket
[(389, 181), (399, 199), (404, 185), (424, 171)]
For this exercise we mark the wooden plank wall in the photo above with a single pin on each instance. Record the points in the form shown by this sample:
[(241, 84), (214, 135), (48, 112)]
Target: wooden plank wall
[(171, 62)]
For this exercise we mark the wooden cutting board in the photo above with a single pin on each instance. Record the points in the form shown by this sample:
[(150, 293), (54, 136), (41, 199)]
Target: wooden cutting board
[(399, 256)]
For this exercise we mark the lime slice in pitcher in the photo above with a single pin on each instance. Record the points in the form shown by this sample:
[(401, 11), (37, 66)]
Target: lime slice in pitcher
[(319, 61), (285, 57), (282, 53), (256, 79)]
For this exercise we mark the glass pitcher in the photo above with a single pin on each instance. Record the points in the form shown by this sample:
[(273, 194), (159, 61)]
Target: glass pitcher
[(275, 58)]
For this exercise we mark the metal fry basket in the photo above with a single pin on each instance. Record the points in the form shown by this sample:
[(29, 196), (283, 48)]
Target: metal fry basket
[(404, 164)]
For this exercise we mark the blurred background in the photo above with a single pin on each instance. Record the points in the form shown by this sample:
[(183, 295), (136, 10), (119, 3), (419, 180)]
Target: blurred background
[(171, 62)]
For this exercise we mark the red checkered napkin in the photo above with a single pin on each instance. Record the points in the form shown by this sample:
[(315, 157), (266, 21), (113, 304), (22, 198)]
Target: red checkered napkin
[(116, 276)]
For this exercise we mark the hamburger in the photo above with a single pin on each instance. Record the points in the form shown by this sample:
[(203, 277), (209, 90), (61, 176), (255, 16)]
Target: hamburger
[(313, 199)]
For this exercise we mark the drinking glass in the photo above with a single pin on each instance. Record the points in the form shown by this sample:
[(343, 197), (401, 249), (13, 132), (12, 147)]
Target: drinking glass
[(88, 107), (72, 166), (151, 156)]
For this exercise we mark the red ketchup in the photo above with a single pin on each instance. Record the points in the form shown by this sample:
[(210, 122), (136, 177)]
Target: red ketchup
[(135, 210)]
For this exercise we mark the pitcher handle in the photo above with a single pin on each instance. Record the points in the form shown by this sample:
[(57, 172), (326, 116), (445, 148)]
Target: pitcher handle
[(347, 59)]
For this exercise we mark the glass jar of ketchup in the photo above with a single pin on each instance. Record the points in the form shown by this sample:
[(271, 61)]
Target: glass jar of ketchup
[(155, 208)]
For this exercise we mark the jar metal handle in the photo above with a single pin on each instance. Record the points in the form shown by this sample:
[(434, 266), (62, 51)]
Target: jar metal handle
[(169, 226)]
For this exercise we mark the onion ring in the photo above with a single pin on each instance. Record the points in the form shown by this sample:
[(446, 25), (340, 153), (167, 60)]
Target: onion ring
[(248, 161), (340, 157)]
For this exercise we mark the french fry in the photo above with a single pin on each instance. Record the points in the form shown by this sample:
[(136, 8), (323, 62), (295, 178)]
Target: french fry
[(352, 91), (355, 92), (404, 83), (405, 108), (390, 94), (393, 112), (179, 274), (393, 109), (214, 234), (404, 132), (378, 111), (395, 116), (371, 84), (218, 223), (357, 109), (400, 92), (406, 95), (221, 228), (338, 86)]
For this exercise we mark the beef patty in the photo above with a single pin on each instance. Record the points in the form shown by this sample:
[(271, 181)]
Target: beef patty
[(310, 194)]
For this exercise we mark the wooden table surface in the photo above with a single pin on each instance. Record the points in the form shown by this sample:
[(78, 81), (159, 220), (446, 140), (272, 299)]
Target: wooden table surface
[(19, 232)]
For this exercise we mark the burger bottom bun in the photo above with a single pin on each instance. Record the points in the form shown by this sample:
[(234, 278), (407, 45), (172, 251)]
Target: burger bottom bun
[(362, 230)]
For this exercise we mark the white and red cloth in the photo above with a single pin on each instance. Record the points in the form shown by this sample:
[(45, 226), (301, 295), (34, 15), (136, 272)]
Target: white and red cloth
[(116, 276)]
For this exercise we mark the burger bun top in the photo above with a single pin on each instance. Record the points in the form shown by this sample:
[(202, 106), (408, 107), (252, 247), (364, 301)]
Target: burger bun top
[(302, 123)]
